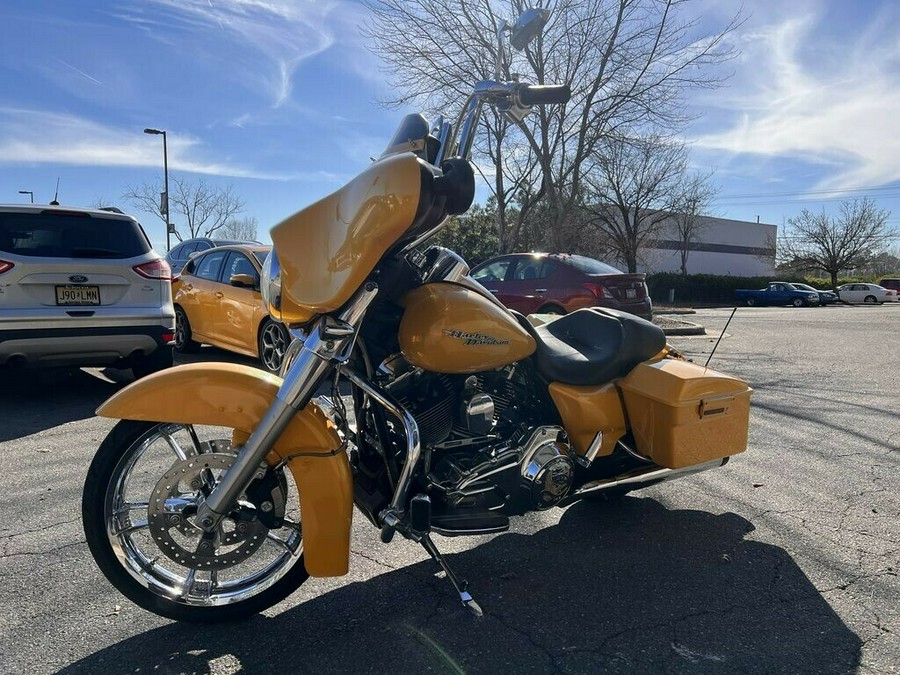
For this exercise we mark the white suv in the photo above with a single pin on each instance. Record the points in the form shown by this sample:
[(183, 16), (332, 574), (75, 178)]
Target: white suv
[(82, 287)]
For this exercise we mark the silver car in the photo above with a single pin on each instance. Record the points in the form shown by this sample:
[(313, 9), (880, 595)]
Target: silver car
[(82, 287)]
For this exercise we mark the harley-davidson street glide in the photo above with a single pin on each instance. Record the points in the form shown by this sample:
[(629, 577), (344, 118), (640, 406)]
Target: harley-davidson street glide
[(223, 488)]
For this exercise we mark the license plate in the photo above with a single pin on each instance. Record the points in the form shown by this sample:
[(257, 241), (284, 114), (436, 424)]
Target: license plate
[(77, 295), (630, 293)]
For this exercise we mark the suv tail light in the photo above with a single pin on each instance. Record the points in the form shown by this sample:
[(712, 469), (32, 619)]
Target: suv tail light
[(155, 269), (599, 291), (5, 266)]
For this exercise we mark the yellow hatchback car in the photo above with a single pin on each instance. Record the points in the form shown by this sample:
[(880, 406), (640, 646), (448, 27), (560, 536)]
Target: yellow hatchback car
[(217, 302)]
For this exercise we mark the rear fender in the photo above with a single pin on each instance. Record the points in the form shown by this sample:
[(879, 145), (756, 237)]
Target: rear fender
[(235, 396)]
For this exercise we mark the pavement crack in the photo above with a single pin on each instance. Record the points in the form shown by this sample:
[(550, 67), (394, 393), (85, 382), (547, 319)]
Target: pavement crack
[(376, 561), (40, 529), (57, 549)]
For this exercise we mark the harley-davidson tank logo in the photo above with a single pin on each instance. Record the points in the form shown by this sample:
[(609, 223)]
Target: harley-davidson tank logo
[(78, 278), (469, 338)]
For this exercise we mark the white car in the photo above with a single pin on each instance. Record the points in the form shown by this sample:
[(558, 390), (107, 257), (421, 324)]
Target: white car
[(82, 287), (867, 293)]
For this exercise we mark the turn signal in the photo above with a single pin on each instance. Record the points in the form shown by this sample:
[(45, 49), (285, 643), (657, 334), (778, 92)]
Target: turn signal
[(5, 266), (155, 269)]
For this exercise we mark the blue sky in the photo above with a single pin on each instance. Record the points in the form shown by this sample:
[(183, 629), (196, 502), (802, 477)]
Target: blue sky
[(278, 99)]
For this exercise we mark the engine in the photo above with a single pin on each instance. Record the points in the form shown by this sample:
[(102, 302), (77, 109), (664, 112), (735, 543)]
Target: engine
[(490, 453)]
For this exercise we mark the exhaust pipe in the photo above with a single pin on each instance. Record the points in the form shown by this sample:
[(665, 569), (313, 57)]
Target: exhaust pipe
[(640, 478)]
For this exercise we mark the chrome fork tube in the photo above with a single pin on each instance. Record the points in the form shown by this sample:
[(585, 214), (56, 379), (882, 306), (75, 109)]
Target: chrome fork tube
[(326, 345)]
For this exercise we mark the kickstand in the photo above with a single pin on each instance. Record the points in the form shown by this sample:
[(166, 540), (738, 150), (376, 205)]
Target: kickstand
[(460, 586)]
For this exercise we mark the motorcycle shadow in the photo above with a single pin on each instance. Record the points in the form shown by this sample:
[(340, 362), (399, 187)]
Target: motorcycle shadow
[(629, 587), (36, 400)]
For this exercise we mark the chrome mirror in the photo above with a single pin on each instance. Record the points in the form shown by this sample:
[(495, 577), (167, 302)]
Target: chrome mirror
[(529, 26)]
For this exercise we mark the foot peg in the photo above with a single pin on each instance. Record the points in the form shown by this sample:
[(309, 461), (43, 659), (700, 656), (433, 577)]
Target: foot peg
[(460, 585)]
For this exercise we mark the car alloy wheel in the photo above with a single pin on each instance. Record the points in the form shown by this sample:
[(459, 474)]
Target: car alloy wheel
[(273, 343), (183, 340)]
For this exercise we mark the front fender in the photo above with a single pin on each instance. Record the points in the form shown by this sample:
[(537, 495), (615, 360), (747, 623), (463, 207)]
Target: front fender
[(235, 396)]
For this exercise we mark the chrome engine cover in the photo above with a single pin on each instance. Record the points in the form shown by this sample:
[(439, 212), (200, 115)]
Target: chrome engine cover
[(546, 468)]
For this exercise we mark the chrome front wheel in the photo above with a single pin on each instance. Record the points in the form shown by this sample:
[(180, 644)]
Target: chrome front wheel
[(139, 505)]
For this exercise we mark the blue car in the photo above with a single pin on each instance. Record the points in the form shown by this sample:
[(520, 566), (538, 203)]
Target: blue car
[(825, 297)]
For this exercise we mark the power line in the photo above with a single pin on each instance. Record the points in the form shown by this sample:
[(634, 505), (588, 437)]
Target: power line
[(794, 201), (749, 195)]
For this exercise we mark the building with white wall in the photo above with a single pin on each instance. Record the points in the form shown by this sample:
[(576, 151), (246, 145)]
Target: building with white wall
[(720, 246)]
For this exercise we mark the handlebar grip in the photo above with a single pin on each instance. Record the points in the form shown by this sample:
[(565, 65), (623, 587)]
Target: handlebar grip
[(541, 94)]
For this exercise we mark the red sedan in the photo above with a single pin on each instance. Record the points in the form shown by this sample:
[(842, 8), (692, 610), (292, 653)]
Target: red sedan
[(556, 283)]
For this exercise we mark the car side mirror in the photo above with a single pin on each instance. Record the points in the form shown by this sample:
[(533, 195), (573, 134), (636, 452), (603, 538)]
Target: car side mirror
[(242, 280)]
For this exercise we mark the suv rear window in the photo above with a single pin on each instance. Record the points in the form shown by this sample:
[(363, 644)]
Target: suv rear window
[(71, 235)]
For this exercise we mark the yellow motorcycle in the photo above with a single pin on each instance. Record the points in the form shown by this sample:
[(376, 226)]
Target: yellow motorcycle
[(223, 488)]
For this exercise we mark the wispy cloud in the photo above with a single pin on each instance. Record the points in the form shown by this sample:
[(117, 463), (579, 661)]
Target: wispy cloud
[(826, 100), (283, 32), (33, 137)]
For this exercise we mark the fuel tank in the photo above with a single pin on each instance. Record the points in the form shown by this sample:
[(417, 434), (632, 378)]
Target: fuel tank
[(447, 328)]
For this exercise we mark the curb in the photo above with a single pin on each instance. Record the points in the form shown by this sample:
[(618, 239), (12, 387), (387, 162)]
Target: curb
[(690, 329)]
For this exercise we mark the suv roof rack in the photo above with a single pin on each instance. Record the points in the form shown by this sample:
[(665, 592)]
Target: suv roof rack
[(113, 209)]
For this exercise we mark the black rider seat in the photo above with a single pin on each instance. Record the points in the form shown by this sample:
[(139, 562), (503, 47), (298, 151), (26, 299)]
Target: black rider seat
[(593, 346)]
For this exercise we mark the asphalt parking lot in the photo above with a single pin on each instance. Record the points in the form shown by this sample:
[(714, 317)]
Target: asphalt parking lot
[(784, 561)]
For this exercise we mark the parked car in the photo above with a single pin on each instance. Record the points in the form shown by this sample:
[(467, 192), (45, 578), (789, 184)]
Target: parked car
[(82, 287), (777, 293), (890, 283), (555, 283), (217, 302), (178, 256), (867, 293), (825, 297)]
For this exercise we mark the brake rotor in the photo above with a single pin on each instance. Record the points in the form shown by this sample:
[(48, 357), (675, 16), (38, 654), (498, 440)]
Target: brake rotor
[(173, 508)]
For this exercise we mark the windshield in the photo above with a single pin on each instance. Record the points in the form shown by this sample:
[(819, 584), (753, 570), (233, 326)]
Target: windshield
[(261, 255)]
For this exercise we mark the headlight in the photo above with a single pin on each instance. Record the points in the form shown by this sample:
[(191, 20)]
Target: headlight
[(270, 286)]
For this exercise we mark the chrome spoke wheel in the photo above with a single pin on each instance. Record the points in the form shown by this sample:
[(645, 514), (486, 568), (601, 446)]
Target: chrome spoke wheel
[(148, 530)]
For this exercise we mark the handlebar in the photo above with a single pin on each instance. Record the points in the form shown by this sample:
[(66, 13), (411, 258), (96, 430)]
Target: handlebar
[(533, 94)]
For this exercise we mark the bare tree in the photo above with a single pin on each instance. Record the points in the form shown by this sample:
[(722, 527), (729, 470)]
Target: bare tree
[(515, 184), (695, 195), (204, 208), (634, 188), (834, 244), (243, 229), (628, 62)]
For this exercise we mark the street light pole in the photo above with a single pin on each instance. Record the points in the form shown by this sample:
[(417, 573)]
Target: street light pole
[(156, 132), (27, 192)]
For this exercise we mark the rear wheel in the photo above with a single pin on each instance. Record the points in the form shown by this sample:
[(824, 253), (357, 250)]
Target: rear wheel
[(554, 310), (138, 508), (273, 343), (870, 300), (158, 360), (183, 335), (751, 302)]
